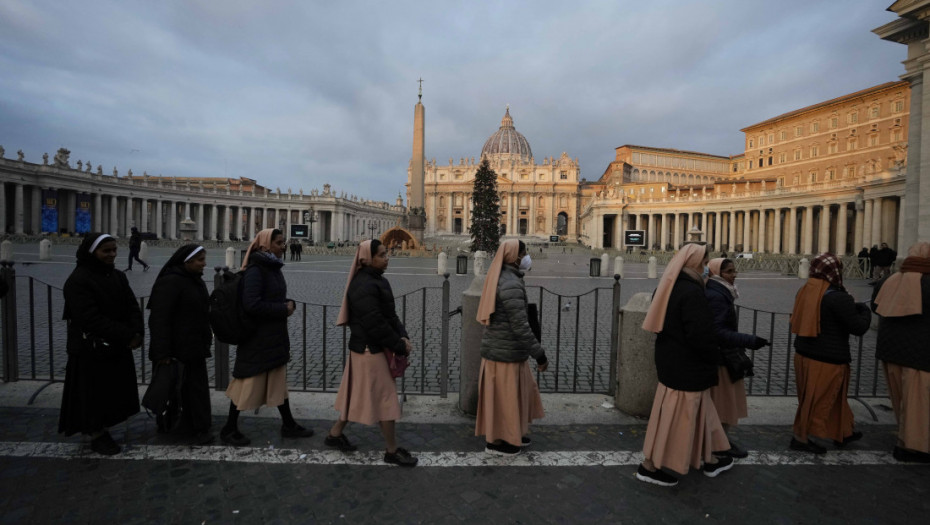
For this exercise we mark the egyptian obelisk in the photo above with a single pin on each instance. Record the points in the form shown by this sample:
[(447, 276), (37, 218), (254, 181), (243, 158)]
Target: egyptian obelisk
[(416, 211)]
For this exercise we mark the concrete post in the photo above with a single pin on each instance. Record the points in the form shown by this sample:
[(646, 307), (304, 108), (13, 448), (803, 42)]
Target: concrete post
[(6, 251), (472, 332), (442, 263), (636, 375), (231, 258), (481, 261), (605, 260), (618, 266), (143, 250), (804, 268), (651, 268), (45, 250)]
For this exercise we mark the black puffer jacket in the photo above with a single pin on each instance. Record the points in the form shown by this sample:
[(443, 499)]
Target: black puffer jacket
[(372, 319), (726, 324), (179, 322), (508, 337), (904, 340), (840, 317), (100, 303), (686, 349), (264, 301)]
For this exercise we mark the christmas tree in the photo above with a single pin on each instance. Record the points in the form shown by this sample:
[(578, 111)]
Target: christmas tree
[(486, 216)]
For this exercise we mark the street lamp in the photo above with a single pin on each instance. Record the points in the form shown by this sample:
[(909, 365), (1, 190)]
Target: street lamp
[(310, 217), (372, 227)]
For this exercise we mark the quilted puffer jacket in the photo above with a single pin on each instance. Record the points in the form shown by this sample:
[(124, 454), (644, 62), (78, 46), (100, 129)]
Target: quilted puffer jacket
[(508, 337)]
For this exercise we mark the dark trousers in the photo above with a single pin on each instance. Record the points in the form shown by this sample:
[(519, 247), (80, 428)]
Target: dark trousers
[(134, 254), (195, 397)]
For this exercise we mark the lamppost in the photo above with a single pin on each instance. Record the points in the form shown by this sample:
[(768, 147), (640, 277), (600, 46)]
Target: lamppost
[(310, 217), (372, 227)]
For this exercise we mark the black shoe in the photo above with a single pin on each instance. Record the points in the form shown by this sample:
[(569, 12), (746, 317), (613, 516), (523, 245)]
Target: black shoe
[(712, 470), (855, 436), (145, 269), (525, 442), (104, 444), (128, 270), (735, 452), (656, 478), (234, 438), (296, 431), (341, 442), (400, 457), (204, 438), (504, 449), (910, 456), (810, 446)]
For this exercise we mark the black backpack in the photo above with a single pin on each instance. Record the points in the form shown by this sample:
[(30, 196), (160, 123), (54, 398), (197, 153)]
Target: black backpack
[(229, 323)]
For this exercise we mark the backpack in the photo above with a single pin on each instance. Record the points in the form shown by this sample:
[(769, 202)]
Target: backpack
[(229, 323)]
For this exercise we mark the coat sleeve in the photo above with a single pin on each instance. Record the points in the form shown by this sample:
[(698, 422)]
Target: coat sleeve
[(698, 324), (365, 305), (395, 321), (513, 301), (253, 303), (87, 315), (164, 301), (726, 337), (855, 317), (136, 319)]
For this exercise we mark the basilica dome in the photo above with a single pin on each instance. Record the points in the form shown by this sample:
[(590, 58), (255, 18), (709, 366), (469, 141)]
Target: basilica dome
[(507, 143)]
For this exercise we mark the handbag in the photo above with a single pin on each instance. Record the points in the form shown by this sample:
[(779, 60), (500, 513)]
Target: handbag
[(163, 396), (396, 363), (738, 365)]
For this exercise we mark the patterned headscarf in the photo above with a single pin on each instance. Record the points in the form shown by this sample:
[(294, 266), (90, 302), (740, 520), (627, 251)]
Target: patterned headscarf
[(828, 267), (825, 270)]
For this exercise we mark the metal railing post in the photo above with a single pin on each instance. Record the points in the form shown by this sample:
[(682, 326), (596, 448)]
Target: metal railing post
[(614, 335), (221, 349), (8, 311), (444, 349)]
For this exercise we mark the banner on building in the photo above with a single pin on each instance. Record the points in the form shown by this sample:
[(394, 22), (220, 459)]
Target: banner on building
[(82, 213), (50, 211), (634, 237)]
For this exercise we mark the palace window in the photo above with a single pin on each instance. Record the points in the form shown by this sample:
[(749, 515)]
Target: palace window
[(760, 163), (563, 175), (771, 138), (761, 140), (770, 160), (896, 135), (782, 135), (851, 144), (874, 112), (898, 106), (751, 143), (781, 158), (852, 117), (815, 150), (873, 139), (798, 130), (834, 122), (829, 175), (832, 147), (813, 177), (797, 154), (815, 127)]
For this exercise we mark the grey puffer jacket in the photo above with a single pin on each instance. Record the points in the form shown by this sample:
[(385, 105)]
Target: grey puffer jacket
[(508, 338)]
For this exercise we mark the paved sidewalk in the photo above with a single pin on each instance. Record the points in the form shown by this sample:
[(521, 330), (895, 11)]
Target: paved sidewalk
[(579, 469)]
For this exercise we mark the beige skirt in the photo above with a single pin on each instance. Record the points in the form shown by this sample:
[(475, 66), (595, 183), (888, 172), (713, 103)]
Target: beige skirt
[(367, 394), (508, 401), (729, 398), (823, 410), (910, 398), (268, 388), (683, 430)]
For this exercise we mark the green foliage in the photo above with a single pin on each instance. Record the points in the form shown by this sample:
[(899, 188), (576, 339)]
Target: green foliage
[(486, 216)]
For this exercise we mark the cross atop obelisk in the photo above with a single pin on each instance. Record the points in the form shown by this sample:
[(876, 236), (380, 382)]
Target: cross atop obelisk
[(420, 94)]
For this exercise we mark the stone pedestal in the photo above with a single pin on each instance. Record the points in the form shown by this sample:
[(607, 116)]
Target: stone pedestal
[(442, 263), (45, 250), (636, 375), (231, 258), (472, 331), (188, 229), (416, 225), (6, 251)]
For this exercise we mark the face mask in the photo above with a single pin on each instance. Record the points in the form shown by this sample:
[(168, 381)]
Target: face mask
[(526, 263), (706, 273)]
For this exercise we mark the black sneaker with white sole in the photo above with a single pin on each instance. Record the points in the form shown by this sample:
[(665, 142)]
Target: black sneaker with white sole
[(525, 442), (656, 477), (504, 449), (723, 464)]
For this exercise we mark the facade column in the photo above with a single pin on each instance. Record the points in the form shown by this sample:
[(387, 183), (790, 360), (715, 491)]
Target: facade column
[(72, 211), (172, 221), (747, 229), (793, 230), (823, 237), (450, 215), (676, 240), (158, 218), (842, 219), (36, 210), (531, 220), (3, 213), (227, 211), (253, 218), (143, 215), (877, 221), (808, 237), (214, 217), (187, 210), (776, 231), (664, 218), (867, 225), (128, 215), (287, 218), (114, 216), (98, 212), (18, 211), (718, 231), (200, 217), (238, 222), (763, 220), (901, 234), (858, 224), (732, 232)]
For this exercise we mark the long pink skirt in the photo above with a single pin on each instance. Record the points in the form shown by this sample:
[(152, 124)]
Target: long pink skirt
[(729, 398), (683, 430), (823, 410), (910, 398), (268, 388), (508, 401), (367, 394)]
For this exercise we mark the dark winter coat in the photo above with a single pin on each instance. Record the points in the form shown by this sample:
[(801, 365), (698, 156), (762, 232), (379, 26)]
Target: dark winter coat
[(508, 337), (840, 316), (373, 321), (726, 324), (264, 301), (100, 303), (686, 353), (179, 322), (886, 257), (135, 241), (904, 340)]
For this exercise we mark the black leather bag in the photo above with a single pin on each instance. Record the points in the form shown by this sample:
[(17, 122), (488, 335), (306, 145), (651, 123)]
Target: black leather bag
[(532, 313), (738, 364), (163, 396)]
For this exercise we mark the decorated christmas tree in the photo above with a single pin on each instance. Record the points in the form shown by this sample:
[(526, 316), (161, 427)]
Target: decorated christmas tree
[(486, 216)]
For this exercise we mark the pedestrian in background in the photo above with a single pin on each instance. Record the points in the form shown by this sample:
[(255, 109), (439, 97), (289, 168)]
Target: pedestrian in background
[(684, 429), (260, 372), (508, 396), (863, 257), (367, 394), (104, 326), (886, 258), (873, 262), (823, 318), (135, 246), (179, 328), (903, 302), (729, 395)]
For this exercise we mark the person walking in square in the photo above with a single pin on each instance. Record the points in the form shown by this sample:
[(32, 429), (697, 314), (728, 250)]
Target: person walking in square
[(260, 372), (508, 396), (824, 316), (179, 324), (684, 430), (903, 304), (729, 395), (367, 393), (135, 246), (104, 326)]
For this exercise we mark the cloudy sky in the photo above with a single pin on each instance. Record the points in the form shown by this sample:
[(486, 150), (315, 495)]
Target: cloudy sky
[(298, 94)]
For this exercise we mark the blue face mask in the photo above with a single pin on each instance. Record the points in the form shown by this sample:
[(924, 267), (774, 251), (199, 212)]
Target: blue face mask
[(706, 273)]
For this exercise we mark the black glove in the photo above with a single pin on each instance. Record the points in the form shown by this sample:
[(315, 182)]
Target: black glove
[(758, 343)]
